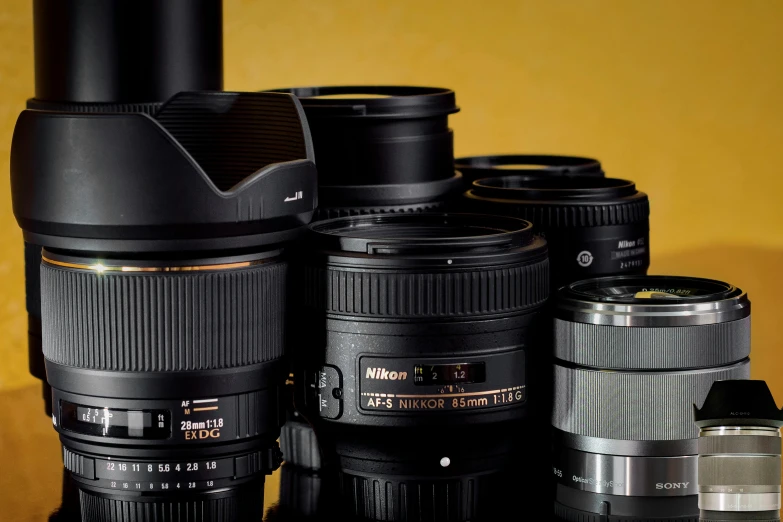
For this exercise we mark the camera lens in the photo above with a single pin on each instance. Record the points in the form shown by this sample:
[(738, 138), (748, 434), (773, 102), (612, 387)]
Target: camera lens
[(164, 280), (739, 453), (474, 168), (594, 226), (115, 56), (422, 330), (381, 148), (633, 354)]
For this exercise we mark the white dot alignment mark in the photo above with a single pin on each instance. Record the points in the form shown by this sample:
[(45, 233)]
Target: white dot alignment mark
[(445, 461), (449, 261)]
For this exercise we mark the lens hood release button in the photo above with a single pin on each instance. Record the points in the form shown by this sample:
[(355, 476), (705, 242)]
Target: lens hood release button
[(325, 391)]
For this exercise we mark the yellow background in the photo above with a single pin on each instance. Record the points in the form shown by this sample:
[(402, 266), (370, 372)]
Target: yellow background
[(683, 97)]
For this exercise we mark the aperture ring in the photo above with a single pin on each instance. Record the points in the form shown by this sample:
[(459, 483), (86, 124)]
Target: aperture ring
[(163, 321), (631, 405), (436, 294), (617, 347), (244, 504)]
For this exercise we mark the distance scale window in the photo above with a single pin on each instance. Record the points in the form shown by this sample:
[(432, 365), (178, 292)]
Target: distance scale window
[(437, 374), (117, 423)]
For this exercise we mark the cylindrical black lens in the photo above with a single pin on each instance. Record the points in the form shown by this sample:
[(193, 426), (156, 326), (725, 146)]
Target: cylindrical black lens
[(633, 354), (474, 168), (381, 148), (115, 56), (164, 285), (423, 330), (120, 52), (166, 379), (739, 453), (594, 226)]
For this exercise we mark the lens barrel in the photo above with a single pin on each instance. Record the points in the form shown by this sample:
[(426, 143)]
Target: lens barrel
[(739, 453), (423, 329), (164, 283), (633, 354), (474, 168), (381, 149), (115, 56), (594, 226)]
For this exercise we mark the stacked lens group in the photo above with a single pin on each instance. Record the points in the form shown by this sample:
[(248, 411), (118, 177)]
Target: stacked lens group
[(431, 340)]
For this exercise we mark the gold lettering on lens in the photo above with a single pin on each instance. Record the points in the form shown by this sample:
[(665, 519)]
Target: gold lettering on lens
[(202, 434)]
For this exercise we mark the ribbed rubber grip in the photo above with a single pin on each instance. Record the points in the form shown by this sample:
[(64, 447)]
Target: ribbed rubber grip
[(449, 500), (739, 470), (245, 504), (617, 347), (335, 212), (44, 105), (255, 131), (299, 445), (566, 216), (634, 405), (163, 321), (439, 294), (739, 445), (574, 515)]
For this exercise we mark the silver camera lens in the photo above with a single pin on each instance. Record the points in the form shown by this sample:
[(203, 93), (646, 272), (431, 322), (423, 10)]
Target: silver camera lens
[(632, 356), (739, 471)]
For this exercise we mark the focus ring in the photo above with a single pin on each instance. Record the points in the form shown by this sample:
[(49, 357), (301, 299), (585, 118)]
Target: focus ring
[(415, 501), (563, 215), (617, 347), (436, 294), (335, 212), (244, 504), (634, 405), (163, 321), (299, 445), (739, 445)]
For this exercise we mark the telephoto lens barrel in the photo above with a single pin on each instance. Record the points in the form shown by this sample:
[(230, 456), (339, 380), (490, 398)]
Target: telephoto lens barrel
[(115, 56), (739, 453), (594, 226), (381, 149), (633, 354), (420, 330), (164, 283), (474, 168)]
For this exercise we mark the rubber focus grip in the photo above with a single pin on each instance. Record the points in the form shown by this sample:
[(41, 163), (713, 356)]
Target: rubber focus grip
[(163, 321)]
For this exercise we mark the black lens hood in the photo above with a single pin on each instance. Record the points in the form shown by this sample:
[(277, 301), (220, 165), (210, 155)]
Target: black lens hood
[(209, 170), (538, 165), (381, 148), (738, 403)]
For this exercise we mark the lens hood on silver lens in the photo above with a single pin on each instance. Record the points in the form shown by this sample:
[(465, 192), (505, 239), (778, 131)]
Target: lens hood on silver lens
[(739, 465), (633, 354)]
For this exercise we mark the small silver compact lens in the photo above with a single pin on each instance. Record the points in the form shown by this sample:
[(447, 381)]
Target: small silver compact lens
[(739, 471)]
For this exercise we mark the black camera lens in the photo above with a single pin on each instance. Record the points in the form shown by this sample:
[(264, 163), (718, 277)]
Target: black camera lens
[(594, 226), (739, 453), (633, 354), (474, 168), (381, 148), (164, 282), (422, 330), (115, 56)]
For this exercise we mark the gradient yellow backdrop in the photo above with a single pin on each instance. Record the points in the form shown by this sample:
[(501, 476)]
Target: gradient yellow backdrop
[(683, 97)]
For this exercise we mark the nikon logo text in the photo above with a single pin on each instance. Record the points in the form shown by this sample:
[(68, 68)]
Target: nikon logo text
[(386, 375)]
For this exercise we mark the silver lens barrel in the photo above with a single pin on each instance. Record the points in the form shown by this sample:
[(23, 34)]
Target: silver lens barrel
[(739, 463), (633, 354)]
